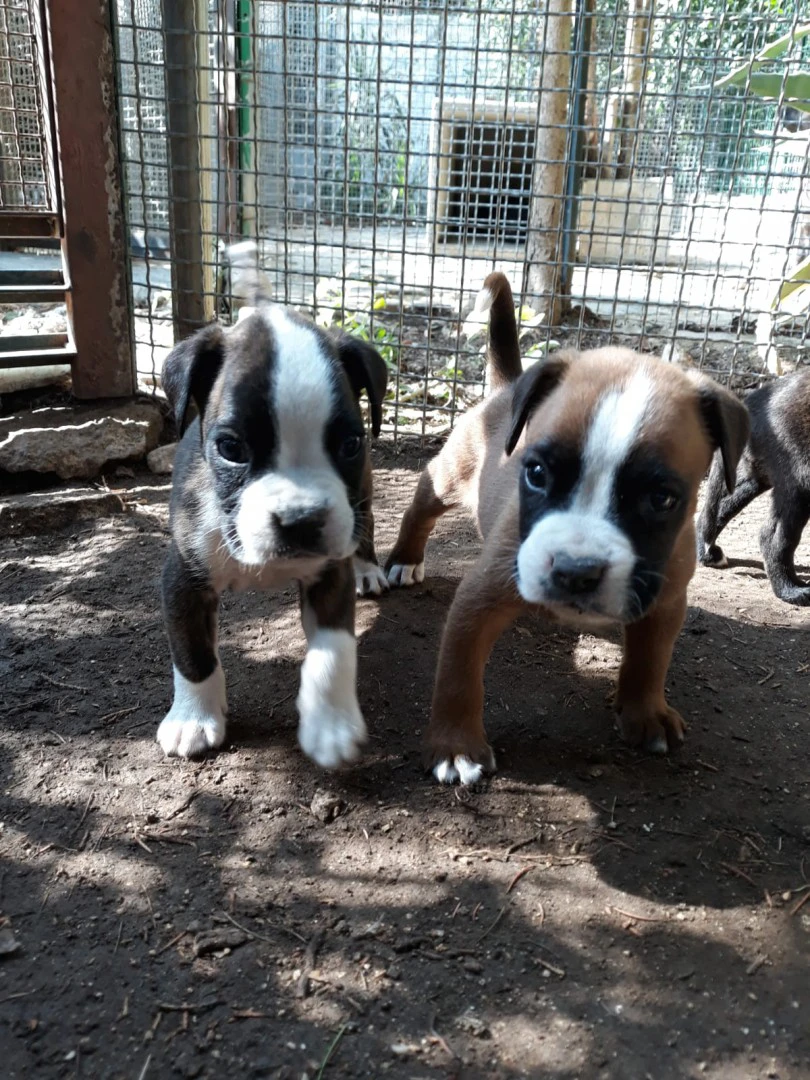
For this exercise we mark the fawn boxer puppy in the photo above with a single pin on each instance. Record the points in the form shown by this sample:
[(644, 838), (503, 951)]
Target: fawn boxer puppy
[(272, 484), (582, 474), (777, 457)]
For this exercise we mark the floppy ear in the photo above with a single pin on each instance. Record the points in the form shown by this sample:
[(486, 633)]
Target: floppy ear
[(190, 370), (728, 425), (366, 370), (531, 388)]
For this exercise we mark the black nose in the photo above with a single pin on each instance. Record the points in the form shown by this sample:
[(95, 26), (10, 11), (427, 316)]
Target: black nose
[(300, 526), (577, 576)]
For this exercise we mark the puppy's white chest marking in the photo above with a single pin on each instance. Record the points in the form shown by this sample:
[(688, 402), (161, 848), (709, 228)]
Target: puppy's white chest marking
[(227, 573)]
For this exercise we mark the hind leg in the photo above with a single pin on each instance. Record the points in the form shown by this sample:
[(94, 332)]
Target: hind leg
[(435, 494), (778, 541), (719, 508)]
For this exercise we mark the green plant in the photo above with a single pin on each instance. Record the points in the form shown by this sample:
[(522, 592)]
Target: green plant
[(361, 324), (792, 298)]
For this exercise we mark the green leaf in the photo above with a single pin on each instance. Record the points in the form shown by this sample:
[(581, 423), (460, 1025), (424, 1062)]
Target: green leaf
[(792, 88), (739, 75), (794, 292), (379, 303)]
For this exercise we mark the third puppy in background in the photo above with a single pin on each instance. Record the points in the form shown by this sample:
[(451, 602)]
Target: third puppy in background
[(582, 474), (777, 457)]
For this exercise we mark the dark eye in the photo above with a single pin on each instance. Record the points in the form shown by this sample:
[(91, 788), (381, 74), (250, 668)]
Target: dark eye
[(232, 449), (535, 473), (351, 447), (663, 501)]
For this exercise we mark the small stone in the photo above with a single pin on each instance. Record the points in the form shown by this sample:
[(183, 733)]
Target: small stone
[(8, 943), (325, 807), (473, 967), (212, 941), (472, 1025), (403, 1049), (161, 459)]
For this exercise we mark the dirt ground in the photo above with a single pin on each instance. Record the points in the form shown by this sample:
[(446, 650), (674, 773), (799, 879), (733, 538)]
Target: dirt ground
[(589, 912)]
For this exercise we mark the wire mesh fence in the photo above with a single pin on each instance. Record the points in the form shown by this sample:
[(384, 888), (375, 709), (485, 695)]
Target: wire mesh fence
[(386, 156), (26, 180)]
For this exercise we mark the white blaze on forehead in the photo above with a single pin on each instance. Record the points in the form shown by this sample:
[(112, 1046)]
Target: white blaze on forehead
[(303, 477), (585, 529), (303, 395), (613, 431)]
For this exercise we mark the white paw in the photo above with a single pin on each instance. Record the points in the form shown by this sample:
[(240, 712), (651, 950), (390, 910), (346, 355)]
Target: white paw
[(369, 578), (330, 736), (460, 768), (196, 721), (403, 576), (331, 730)]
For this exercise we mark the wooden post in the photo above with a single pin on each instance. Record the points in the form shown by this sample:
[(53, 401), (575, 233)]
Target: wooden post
[(99, 304), (188, 155), (544, 287)]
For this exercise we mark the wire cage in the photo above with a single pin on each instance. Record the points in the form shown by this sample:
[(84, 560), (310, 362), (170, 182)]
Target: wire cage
[(386, 156)]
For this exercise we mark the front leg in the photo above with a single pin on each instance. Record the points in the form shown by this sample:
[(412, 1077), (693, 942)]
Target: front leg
[(485, 605), (196, 721), (370, 578), (331, 729), (643, 716)]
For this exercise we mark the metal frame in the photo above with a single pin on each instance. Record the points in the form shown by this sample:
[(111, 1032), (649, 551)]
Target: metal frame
[(95, 247)]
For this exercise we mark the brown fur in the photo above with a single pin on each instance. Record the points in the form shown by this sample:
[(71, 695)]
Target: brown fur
[(474, 471)]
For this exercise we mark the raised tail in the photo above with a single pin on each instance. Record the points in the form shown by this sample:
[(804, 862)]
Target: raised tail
[(503, 350), (248, 282)]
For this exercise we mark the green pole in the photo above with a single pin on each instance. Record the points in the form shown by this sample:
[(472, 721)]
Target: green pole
[(244, 126)]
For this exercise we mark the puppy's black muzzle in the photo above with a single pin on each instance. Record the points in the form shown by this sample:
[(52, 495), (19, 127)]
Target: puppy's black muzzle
[(300, 529), (575, 579)]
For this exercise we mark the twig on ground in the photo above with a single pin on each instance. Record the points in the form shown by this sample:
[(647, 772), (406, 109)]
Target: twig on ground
[(118, 714), (64, 685), (491, 926), (551, 967), (521, 873), (168, 945), (302, 986), (638, 918), (443, 1043), (145, 1068), (739, 873), (261, 937), (521, 844), (15, 997), (707, 765), (183, 806), (279, 702), (797, 907), (86, 811), (200, 1006), (615, 840)]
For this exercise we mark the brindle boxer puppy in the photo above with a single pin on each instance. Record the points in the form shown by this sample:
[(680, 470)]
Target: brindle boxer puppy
[(272, 484)]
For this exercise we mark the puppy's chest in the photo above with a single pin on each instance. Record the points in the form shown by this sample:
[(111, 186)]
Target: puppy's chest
[(226, 573)]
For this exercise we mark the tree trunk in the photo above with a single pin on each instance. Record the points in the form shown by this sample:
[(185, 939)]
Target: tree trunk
[(623, 109), (544, 239)]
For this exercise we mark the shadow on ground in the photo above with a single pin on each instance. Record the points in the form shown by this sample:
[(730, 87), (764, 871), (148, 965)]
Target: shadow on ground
[(589, 911)]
